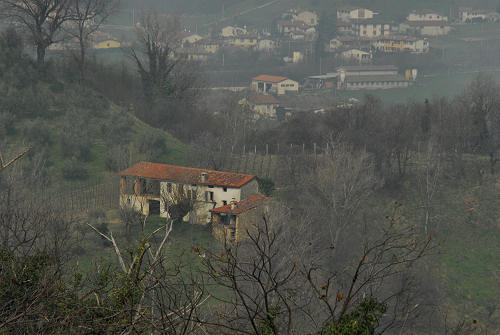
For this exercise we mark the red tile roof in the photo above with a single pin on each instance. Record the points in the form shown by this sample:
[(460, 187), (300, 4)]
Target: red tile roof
[(263, 100), (187, 175), (270, 79), (243, 206)]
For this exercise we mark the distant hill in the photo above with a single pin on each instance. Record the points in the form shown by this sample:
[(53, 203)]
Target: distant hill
[(387, 8)]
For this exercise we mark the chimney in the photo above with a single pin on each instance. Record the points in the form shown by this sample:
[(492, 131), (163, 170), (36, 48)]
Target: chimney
[(204, 177), (233, 204)]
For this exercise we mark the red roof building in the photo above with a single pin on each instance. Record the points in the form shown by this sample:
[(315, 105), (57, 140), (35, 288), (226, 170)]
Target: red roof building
[(187, 175), (242, 206), (269, 79)]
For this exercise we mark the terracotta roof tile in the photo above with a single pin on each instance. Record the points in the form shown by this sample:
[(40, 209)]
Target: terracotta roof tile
[(243, 206), (271, 79), (187, 175)]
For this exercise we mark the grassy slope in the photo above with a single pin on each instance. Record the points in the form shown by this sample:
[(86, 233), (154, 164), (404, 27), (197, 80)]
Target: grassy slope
[(95, 166), (466, 219)]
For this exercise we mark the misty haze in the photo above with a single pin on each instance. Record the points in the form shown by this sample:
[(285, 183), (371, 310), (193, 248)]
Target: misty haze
[(253, 167)]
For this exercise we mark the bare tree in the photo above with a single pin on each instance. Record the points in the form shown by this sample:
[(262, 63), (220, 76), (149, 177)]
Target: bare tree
[(42, 18), (278, 283), (87, 17), (158, 40), (482, 98), (428, 179), (160, 300), (338, 187)]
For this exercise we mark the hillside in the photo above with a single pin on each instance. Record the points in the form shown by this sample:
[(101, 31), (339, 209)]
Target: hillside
[(261, 13), (76, 135)]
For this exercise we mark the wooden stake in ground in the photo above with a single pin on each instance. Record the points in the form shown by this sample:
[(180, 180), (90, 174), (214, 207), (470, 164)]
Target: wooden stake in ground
[(4, 165)]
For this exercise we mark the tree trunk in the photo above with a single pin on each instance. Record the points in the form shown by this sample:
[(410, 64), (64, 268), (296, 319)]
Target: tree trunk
[(82, 61), (493, 161), (40, 53)]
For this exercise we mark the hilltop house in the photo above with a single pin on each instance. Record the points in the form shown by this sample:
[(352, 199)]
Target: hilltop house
[(231, 222), (274, 84), (151, 187)]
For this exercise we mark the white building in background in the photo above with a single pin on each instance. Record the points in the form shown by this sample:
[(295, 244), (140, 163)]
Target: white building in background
[(426, 15), (150, 187), (190, 38), (391, 44), (426, 28), (469, 15), (356, 55), (265, 44), (231, 31), (426, 23), (349, 13), (370, 28), (310, 18)]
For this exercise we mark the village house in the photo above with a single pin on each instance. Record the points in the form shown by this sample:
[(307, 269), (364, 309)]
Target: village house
[(266, 44), (274, 84), (208, 46), (296, 27), (425, 28), (348, 13), (231, 31), (426, 15), (231, 222), (426, 23), (351, 42), (390, 44), (242, 41), (370, 28), (151, 187), (188, 38), (264, 106), (194, 54), (307, 17), (344, 28), (356, 55), (469, 15)]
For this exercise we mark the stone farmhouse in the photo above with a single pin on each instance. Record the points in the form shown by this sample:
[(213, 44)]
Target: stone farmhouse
[(151, 187), (230, 222)]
